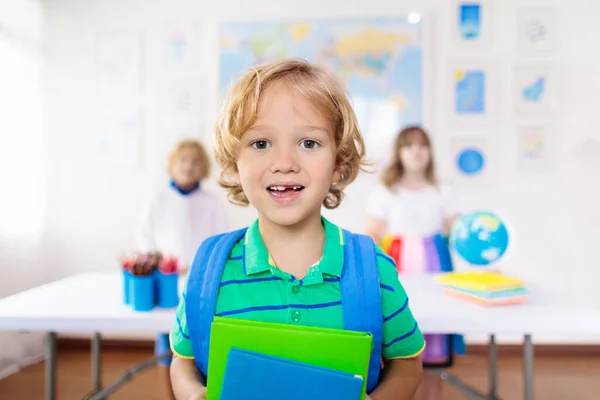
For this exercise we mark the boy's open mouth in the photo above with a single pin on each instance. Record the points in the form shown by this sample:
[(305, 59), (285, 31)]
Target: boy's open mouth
[(284, 190)]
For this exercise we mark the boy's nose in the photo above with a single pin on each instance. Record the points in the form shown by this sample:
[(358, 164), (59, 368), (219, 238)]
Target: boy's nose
[(285, 161)]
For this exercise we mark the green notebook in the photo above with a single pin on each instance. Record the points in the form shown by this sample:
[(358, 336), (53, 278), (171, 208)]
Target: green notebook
[(341, 350)]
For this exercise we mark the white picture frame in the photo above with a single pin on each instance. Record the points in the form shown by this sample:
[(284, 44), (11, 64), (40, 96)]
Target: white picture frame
[(472, 24), (536, 148), (180, 46), (473, 95), (183, 96), (535, 90), (118, 61), (536, 31)]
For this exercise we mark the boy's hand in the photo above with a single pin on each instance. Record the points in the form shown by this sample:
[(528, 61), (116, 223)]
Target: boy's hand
[(367, 397)]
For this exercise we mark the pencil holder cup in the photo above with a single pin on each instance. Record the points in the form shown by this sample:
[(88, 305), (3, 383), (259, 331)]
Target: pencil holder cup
[(127, 287), (142, 293), (167, 289)]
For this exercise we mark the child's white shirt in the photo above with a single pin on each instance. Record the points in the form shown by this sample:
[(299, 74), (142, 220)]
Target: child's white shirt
[(410, 212), (176, 224)]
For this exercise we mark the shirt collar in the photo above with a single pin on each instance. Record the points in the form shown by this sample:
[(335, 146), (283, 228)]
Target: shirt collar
[(185, 192), (257, 259)]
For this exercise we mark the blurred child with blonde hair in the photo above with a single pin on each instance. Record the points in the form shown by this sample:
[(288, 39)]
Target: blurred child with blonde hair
[(179, 217)]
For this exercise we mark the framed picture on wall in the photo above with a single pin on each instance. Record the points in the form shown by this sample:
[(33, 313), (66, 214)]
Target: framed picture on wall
[(470, 162), (118, 61), (535, 90), (472, 23), (180, 46), (536, 31), (537, 148), (182, 95), (473, 95)]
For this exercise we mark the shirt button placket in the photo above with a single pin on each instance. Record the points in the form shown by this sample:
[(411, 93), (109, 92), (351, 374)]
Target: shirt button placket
[(296, 315)]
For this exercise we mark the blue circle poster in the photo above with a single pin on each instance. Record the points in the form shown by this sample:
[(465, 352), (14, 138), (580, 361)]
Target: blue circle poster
[(470, 161)]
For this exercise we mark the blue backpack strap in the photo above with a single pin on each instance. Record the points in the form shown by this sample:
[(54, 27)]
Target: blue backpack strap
[(203, 284), (361, 296)]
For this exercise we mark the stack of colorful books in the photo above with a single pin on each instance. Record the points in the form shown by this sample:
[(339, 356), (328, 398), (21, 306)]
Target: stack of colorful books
[(486, 288), (258, 360)]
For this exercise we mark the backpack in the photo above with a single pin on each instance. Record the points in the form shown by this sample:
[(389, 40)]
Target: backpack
[(359, 285)]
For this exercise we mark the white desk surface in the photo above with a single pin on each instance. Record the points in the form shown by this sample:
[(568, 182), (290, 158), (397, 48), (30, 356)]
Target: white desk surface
[(93, 302)]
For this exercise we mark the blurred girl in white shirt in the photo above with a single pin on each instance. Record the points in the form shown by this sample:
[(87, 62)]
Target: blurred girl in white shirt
[(178, 219), (409, 215)]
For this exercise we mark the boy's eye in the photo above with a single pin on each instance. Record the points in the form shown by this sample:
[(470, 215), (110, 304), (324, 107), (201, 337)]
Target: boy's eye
[(260, 144), (309, 144)]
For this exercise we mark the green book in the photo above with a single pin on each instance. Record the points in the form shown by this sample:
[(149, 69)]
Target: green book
[(341, 350)]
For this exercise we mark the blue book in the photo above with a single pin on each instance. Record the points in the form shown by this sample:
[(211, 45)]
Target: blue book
[(254, 376)]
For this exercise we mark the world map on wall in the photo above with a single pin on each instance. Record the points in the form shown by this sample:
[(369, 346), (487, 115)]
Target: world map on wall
[(379, 60)]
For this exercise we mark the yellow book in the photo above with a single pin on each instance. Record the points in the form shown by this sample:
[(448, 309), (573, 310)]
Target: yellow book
[(479, 281)]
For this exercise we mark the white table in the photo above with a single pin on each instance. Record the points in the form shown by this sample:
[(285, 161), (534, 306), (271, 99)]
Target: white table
[(93, 302), (545, 313)]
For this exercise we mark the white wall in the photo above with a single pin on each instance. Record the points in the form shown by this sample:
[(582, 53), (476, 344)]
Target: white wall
[(553, 214), (21, 170)]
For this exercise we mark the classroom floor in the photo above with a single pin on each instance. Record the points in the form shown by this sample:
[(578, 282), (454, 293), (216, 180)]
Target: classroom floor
[(557, 377)]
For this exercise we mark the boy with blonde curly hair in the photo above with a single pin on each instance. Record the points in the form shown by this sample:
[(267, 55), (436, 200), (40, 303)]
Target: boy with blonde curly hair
[(288, 142)]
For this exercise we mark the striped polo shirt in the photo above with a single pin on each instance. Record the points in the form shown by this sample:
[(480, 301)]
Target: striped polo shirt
[(253, 288)]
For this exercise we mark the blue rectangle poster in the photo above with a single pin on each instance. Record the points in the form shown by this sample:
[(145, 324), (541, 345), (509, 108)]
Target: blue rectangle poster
[(469, 20)]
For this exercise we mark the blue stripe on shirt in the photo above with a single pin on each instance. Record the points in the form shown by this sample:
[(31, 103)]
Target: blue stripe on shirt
[(279, 307), (243, 281), (386, 287), (385, 319), (181, 329), (387, 258), (399, 338)]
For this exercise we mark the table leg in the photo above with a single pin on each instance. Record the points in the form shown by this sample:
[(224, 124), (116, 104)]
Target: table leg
[(493, 367), (50, 373), (528, 367), (96, 361)]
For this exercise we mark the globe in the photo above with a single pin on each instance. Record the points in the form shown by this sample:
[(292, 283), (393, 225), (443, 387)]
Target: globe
[(480, 238)]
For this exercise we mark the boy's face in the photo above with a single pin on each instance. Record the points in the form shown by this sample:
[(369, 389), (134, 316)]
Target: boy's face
[(186, 169), (286, 162)]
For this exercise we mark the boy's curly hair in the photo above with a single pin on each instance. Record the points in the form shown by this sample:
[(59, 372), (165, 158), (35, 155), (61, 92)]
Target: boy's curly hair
[(315, 84)]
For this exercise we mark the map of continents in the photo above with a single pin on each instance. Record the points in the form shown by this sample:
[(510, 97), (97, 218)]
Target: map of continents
[(379, 60)]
